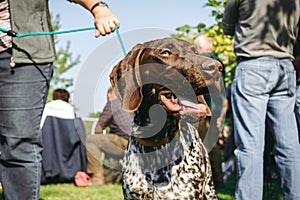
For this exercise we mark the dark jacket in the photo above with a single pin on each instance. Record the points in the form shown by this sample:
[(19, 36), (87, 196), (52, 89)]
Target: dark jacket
[(64, 149)]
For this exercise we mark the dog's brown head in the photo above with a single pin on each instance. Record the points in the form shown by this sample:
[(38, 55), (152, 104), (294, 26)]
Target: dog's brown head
[(164, 66)]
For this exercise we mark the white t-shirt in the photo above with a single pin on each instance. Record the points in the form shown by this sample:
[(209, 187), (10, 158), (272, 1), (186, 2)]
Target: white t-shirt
[(58, 108)]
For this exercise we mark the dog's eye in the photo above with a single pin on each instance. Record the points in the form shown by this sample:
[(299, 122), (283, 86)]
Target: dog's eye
[(165, 53)]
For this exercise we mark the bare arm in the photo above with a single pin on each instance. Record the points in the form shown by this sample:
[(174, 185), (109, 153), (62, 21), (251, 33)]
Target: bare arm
[(223, 114), (104, 20), (98, 129)]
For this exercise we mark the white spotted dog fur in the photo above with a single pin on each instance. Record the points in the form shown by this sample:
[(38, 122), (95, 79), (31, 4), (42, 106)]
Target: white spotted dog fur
[(189, 179), (165, 157)]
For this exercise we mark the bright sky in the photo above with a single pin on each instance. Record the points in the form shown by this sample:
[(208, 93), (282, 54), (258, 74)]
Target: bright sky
[(140, 21)]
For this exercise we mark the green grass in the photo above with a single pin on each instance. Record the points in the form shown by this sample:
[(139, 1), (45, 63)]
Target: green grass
[(228, 191), (114, 192), (71, 192), (271, 190)]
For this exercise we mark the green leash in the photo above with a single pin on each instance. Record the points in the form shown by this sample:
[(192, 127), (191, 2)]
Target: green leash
[(21, 35)]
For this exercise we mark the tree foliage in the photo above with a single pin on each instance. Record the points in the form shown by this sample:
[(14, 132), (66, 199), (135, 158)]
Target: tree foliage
[(223, 44), (64, 61), (95, 115)]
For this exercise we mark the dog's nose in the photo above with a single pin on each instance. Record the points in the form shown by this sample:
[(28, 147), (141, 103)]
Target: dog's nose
[(208, 65), (218, 66), (221, 68), (212, 66)]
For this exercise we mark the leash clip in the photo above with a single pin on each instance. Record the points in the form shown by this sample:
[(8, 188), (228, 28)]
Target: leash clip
[(12, 33)]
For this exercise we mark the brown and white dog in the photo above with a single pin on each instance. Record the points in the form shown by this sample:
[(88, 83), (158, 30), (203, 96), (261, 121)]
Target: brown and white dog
[(165, 157)]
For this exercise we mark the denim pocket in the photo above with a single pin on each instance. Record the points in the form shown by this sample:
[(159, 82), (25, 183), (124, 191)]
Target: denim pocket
[(253, 79)]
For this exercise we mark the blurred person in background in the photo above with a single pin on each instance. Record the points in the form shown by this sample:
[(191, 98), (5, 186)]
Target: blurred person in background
[(263, 89)]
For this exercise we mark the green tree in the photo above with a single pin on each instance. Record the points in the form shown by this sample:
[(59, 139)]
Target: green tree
[(223, 44), (95, 115), (63, 62)]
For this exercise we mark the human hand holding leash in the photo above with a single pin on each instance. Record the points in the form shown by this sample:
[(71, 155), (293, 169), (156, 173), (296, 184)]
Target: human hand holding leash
[(104, 20)]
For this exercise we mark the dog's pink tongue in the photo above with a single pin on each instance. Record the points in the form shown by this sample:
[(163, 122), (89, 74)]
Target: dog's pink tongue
[(187, 103), (196, 110)]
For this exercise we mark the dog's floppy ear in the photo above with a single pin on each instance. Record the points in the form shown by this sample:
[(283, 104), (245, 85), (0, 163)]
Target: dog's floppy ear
[(127, 86)]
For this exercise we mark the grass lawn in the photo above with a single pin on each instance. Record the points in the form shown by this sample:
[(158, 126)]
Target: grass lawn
[(271, 191), (114, 192), (71, 192)]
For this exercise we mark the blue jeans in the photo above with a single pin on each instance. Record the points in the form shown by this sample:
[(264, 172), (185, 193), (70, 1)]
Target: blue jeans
[(23, 92), (261, 88), (297, 106)]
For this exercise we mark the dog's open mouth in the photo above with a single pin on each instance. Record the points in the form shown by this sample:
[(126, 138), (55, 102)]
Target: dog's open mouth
[(180, 101), (160, 121)]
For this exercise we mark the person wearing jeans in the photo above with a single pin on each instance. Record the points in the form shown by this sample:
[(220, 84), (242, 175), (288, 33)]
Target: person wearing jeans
[(22, 98), (297, 68), (264, 87), (25, 72)]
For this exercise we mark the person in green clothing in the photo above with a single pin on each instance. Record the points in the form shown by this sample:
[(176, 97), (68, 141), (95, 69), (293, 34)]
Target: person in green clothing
[(25, 73), (204, 46)]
